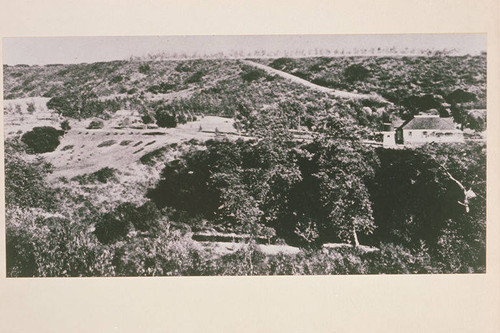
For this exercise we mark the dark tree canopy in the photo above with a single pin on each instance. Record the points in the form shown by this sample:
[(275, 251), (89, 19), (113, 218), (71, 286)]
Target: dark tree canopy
[(356, 72), (42, 139), (460, 96)]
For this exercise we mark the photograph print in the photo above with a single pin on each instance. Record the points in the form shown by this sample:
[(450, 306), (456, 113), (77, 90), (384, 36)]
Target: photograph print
[(245, 155)]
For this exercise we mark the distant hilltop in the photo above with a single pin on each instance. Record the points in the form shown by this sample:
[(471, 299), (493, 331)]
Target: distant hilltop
[(305, 53)]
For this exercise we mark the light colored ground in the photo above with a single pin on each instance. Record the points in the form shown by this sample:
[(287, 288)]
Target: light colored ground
[(17, 118), (79, 151), (222, 248), (85, 155)]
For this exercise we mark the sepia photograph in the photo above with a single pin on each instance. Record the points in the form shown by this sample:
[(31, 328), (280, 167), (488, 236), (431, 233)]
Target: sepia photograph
[(245, 155)]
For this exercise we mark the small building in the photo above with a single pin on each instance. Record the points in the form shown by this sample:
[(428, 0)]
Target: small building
[(422, 129), (389, 133)]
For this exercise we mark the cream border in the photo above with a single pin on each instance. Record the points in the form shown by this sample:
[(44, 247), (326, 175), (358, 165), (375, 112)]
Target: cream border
[(458, 303)]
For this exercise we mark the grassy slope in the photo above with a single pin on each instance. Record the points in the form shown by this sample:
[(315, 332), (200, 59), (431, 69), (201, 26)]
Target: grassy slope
[(220, 91), (395, 77), (107, 78)]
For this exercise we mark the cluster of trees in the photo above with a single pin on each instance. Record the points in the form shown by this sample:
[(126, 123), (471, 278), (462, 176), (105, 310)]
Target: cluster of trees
[(81, 105), (335, 189), (42, 139), (411, 204), (424, 208)]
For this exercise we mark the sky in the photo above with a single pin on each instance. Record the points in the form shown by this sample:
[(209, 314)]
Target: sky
[(67, 50)]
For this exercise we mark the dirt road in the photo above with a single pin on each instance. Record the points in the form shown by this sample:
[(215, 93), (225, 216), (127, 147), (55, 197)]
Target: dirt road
[(296, 79)]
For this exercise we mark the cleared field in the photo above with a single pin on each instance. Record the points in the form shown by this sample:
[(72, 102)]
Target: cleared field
[(92, 150), (85, 150)]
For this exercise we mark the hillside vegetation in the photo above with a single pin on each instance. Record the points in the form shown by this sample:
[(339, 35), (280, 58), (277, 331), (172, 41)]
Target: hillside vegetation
[(117, 168)]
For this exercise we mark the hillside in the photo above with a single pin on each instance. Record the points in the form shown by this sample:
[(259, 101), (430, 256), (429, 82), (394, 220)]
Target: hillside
[(235, 167), (394, 78), (235, 88)]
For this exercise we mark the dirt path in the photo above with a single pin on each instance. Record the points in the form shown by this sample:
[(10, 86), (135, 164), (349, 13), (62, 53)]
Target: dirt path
[(296, 79)]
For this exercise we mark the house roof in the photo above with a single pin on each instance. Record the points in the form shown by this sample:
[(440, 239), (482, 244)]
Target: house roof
[(430, 122)]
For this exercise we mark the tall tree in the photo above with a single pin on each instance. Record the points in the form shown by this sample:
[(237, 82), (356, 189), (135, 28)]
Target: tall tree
[(344, 165)]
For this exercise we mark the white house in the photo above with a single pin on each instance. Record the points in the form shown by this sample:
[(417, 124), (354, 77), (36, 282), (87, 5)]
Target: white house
[(422, 129)]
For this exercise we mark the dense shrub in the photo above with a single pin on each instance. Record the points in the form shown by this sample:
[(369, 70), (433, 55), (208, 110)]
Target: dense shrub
[(460, 96), (146, 119), (42, 139), (31, 107), (170, 254), (395, 259), (151, 157), (52, 247), (96, 124), (81, 105), (196, 77), (144, 68), (422, 103), (165, 119), (161, 88), (356, 72), (116, 79), (25, 184), (106, 143), (65, 126), (116, 225), (171, 114), (105, 174), (282, 63), (112, 227), (148, 218), (250, 75)]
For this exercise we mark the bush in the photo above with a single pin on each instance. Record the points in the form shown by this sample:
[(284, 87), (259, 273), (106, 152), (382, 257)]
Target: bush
[(31, 107), (161, 88), (102, 175), (282, 63), (42, 139), (460, 96), (253, 75), (25, 185), (395, 259), (356, 72), (167, 119), (144, 69), (146, 119), (65, 126), (147, 218), (106, 143), (196, 77), (52, 247), (151, 157), (110, 228), (169, 254), (105, 174), (116, 79), (96, 124)]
